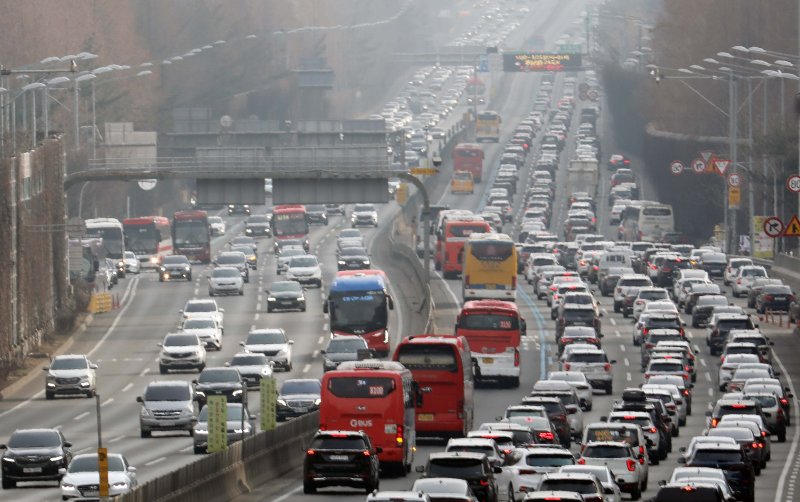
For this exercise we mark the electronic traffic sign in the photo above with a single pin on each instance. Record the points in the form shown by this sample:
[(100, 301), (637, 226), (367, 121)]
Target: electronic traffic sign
[(541, 61)]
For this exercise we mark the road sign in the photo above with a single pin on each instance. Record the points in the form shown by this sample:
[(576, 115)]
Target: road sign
[(217, 423), (427, 171), (734, 197), (102, 467), (734, 180), (792, 228), (147, 184), (706, 155), (483, 63), (699, 165), (269, 395), (676, 167), (773, 227), (793, 183), (541, 61), (763, 245), (721, 165)]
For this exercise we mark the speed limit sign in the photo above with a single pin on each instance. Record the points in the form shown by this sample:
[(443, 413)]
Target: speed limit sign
[(793, 183)]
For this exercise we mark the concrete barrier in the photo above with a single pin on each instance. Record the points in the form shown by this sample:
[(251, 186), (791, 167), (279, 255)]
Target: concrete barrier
[(227, 474)]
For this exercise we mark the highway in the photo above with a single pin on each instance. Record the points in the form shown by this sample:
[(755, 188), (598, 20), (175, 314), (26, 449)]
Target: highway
[(123, 342)]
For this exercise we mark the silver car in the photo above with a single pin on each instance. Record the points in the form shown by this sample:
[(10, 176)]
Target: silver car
[(70, 374), (81, 477), (237, 426), (579, 382), (273, 343), (225, 281), (167, 405), (207, 330), (252, 367)]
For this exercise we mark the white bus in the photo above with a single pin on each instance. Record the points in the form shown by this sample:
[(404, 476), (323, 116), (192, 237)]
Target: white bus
[(111, 231), (646, 221)]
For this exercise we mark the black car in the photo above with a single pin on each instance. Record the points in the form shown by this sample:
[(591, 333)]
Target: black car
[(775, 297), (238, 209), (286, 295), (258, 225), (341, 458), (577, 317), (334, 209), (355, 258), (220, 382), (689, 492), (474, 468), (34, 455), (721, 325), (282, 243), (344, 348), (669, 268), (732, 460), (696, 292), (298, 396), (557, 414), (713, 263), (703, 306), (316, 213), (175, 267)]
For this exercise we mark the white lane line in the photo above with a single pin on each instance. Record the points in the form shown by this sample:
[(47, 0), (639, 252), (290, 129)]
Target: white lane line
[(259, 298), (114, 440), (627, 363), (155, 461), (315, 354), (127, 387), (622, 348), (689, 335), (82, 416), (616, 332), (306, 368), (144, 372), (795, 439), (710, 392), (131, 291), (613, 322), (707, 375), (321, 339), (628, 377), (324, 326), (258, 306), (252, 327), (185, 450), (703, 362), (107, 401)]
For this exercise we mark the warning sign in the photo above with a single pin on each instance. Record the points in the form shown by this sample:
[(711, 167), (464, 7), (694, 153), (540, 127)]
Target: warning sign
[(721, 165), (792, 228)]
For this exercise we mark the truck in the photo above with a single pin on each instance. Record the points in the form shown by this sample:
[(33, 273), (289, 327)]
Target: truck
[(582, 177)]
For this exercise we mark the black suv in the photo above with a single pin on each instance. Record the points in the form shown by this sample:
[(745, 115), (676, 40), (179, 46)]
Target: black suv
[(316, 213), (557, 414), (721, 325), (703, 306), (635, 399), (577, 317), (732, 460), (34, 455), (220, 382), (175, 266), (258, 224), (341, 458), (238, 209), (474, 468)]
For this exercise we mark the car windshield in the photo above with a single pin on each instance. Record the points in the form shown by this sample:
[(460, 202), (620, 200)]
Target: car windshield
[(167, 393), (249, 360), (587, 357), (472, 448), (230, 259), (338, 443), (225, 272), (265, 338), (199, 323), (461, 468), (234, 414), (180, 340), (218, 375), (68, 363), (130, 255), (586, 486), (303, 261), (363, 208), (285, 286), (345, 346), (175, 260), (718, 456), (200, 307), (243, 241), (214, 219), (549, 460), (258, 218), (644, 422), (354, 251), (247, 250), (34, 439), (89, 464), (606, 451), (349, 234), (301, 387), (287, 254)]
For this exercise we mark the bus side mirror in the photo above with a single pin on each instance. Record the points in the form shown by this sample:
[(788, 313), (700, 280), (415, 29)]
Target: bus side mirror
[(390, 302), (325, 307), (417, 395), (523, 327)]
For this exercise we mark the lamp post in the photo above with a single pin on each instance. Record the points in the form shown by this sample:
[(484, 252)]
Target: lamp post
[(52, 81), (78, 80), (34, 86)]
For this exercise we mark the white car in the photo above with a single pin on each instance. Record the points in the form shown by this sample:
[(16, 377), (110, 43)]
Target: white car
[(682, 288), (83, 471), (526, 466), (305, 269), (217, 225), (579, 382), (207, 330), (273, 343), (620, 458), (70, 374), (252, 367), (283, 259), (647, 295), (744, 279), (225, 281), (677, 397), (204, 308), (611, 492), (734, 264), (364, 214), (131, 262), (729, 365), (181, 351)]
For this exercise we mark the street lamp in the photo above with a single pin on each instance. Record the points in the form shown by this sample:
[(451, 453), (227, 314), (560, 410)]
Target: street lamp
[(78, 80), (34, 86)]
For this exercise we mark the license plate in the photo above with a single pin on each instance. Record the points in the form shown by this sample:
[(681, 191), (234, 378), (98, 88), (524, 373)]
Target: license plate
[(488, 360), (31, 470), (92, 493), (425, 417), (301, 409), (339, 458), (780, 298), (286, 302)]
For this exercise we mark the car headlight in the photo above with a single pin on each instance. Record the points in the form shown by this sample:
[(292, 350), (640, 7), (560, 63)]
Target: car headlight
[(121, 264), (162, 268), (9, 460), (120, 484), (266, 371), (67, 486), (341, 262), (281, 402), (200, 430), (144, 412), (59, 458), (187, 268), (317, 401), (187, 411), (366, 262), (271, 299), (236, 392), (281, 352)]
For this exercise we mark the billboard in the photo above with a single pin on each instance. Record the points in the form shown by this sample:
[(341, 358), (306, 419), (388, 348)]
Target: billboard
[(541, 61)]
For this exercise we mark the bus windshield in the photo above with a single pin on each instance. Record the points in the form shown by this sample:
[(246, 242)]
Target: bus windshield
[(290, 224), (428, 357), (112, 240), (361, 387), (492, 251), (358, 312), (466, 230), (191, 232), (492, 322), (142, 239)]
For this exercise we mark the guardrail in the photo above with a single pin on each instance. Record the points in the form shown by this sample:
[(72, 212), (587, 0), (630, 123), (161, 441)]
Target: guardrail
[(227, 474)]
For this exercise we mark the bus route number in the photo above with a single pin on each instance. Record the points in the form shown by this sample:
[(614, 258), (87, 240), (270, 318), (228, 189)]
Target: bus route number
[(376, 390), (505, 324)]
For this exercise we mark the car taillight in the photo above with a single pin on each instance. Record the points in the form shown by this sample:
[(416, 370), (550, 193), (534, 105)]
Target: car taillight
[(399, 437), (484, 482), (784, 401), (763, 434), (755, 445), (641, 450), (607, 366), (546, 435), (685, 392), (365, 453), (566, 366), (653, 266), (516, 357), (581, 461), (595, 267), (639, 302), (768, 298), (653, 430), (553, 288), (647, 375), (641, 461), (738, 281), (631, 464), (714, 422), (310, 452)]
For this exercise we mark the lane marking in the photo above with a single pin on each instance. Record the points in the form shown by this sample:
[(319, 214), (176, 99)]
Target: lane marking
[(81, 416), (127, 387), (627, 363), (306, 368), (107, 401), (613, 322), (315, 354), (320, 340), (114, 440), (144, 372), (628, 376), (155, 461), (622, 348), (703, 362), (707, 375), (796, 435)]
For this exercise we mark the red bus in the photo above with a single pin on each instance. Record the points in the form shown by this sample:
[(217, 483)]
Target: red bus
[(191, 235), (441, 220), (494, 329), (289, 221), (442, 367), (455, 235), (358, 303), (379, 398), (469, 157), (149, 237)]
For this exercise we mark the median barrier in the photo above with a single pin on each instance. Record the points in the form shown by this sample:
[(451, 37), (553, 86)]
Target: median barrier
[(225, 475)]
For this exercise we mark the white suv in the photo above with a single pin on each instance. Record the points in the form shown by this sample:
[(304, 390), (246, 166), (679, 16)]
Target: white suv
[(305, 269), (364, 214), (745, 277), (181, 351), (204, 308), (630, 468)]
